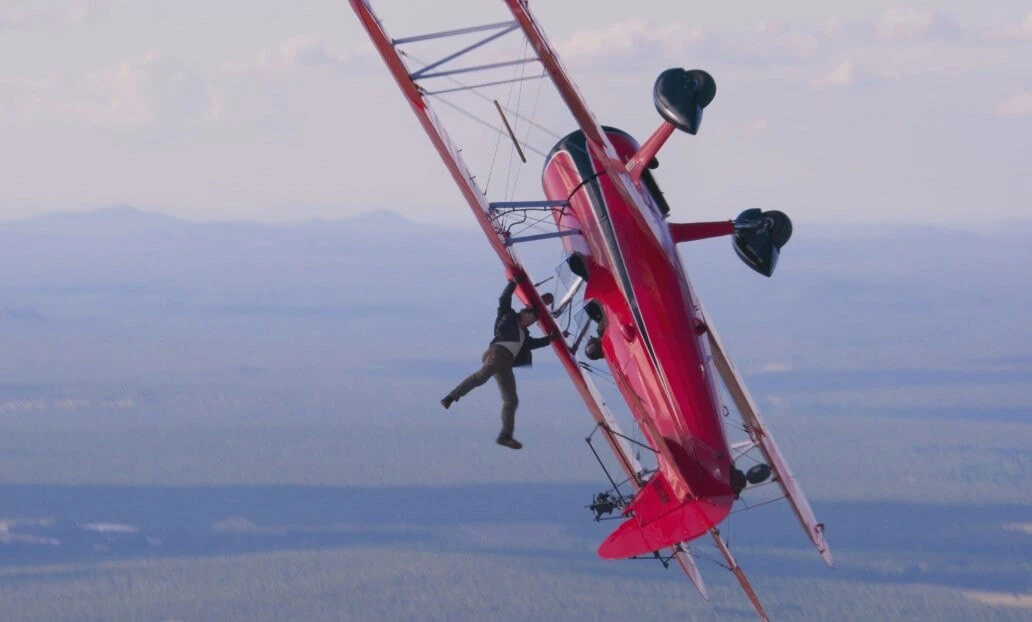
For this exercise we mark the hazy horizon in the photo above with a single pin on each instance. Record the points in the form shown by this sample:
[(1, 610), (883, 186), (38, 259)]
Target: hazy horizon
[(1002, 226)]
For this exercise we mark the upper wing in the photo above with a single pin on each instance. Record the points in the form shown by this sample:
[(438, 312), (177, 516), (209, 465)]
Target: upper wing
[(449, 153)]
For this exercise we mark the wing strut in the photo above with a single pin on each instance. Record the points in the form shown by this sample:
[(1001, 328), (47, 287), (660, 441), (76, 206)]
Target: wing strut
[(454, 32), (565, 233), (760, 435), (506, 28), (737, 571)]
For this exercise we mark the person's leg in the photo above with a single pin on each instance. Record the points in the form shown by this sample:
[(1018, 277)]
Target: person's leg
[(507, 385), (477, 378)]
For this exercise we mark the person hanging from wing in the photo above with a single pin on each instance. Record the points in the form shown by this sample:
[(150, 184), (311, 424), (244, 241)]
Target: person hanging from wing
[(510, 348)]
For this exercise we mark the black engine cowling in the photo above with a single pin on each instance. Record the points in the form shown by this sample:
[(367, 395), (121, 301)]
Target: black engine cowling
[(680, 95), (759, 236)]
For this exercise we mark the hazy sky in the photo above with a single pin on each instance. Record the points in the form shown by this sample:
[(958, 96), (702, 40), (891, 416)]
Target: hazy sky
[(271, 110)]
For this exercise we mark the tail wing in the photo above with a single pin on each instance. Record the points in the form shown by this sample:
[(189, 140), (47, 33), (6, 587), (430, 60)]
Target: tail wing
[(657, 520)]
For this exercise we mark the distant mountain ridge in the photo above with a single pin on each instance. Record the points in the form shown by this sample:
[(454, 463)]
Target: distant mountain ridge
[(126, 219), (117, 219)]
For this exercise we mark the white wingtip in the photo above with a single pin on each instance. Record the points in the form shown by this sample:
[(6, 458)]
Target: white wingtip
[(826, 556), (684, 559)]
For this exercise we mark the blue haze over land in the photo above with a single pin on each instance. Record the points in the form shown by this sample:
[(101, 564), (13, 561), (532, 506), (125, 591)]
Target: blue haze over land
[(186, 405)]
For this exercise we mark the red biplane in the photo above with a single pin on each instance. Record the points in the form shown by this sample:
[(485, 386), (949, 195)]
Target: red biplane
[(636, 306)]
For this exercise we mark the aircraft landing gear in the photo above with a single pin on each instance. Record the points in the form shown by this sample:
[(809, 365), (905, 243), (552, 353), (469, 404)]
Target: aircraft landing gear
[(758, 474)]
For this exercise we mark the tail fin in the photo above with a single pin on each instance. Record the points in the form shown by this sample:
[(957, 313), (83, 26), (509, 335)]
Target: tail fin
[(659, 520)]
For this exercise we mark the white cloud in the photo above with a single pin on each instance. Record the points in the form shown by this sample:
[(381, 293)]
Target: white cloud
[(832, 27), (1017, 106), (911, 24), (86, 10), (20, 14), (775, 43), (780, 41), (841, 76), (11, 17), (151, 90), (163, 91), (847, 73), (757, 126), (626, 44), (1020, 32), (260, 89), (304, 52), (627, 39)]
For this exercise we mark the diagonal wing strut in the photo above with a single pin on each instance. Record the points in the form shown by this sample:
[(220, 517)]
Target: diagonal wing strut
[(760, 435), (737, 571)]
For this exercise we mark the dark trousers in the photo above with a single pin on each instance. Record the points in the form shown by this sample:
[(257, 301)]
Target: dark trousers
[(498, 363)]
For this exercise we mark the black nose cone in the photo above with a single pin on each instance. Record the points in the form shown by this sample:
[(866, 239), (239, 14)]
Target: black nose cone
[(680, 95)]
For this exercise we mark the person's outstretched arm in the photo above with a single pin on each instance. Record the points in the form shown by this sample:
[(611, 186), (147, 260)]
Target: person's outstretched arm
[(505, 300), (539, 342)]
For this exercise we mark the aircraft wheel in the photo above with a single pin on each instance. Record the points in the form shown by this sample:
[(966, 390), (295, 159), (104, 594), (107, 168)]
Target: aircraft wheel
[(758, 474)]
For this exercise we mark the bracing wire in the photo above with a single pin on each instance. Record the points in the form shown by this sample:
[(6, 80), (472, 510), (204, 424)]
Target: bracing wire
[(438, 96), (486, 124), (494, 156), (700, 555), (757, 505), (533, 111), (518, 87), (512, 150)]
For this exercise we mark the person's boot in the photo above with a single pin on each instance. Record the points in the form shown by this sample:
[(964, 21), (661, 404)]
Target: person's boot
[(506, 440), (447, 401)]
